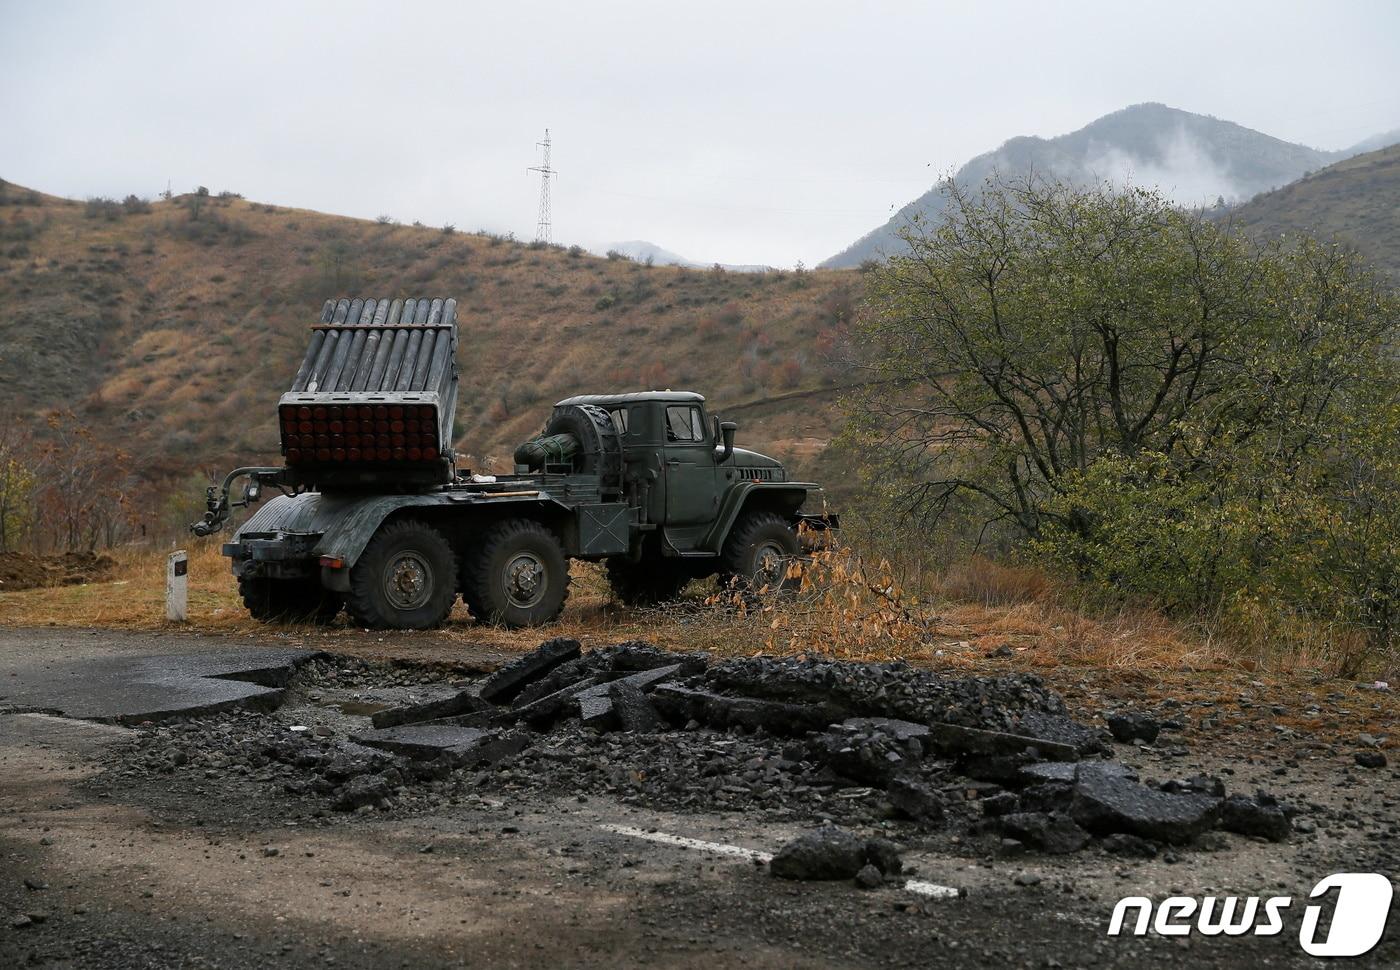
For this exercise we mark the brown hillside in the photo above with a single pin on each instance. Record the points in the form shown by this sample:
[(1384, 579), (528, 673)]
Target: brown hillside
[(170, 328), (1356, 201)]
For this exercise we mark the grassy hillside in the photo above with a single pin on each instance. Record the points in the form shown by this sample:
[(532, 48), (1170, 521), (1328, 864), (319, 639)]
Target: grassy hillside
[(1357, 201), (170, 328)]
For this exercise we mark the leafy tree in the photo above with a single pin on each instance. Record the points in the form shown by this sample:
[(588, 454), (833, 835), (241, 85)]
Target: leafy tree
[(1143, 394)]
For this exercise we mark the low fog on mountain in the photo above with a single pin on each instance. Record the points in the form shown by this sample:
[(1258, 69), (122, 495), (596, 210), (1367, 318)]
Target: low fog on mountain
[(1195, 160)]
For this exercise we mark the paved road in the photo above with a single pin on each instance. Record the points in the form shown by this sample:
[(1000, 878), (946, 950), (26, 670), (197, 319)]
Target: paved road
[(187, 871)]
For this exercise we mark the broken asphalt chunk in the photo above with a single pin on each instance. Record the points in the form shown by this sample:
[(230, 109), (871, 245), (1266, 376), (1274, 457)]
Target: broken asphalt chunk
[(885, 856), (1052, 832), (901, 731), (682, 704), (967, 741), (827, 853), (596, 704), (493, 717), (549, 708), (361, 790), (450, 705), (461, 746), (917, 801), (505, 683), (634, 710), (1262, 817), (1133, 846), (1044, 771), (1104, 803), (1130, 726), (871, 757), (1058, 728)]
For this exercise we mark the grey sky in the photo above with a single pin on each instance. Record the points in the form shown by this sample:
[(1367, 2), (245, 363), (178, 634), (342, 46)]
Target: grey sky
[(742, 132)]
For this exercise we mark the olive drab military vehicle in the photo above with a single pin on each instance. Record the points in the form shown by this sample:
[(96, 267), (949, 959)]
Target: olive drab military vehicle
[(374, 516)]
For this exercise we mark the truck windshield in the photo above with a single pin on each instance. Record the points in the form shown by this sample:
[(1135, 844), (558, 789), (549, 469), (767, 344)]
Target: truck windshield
[(683, 423)]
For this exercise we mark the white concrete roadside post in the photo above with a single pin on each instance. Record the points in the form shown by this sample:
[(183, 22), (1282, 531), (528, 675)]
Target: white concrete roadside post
[(177, 582)]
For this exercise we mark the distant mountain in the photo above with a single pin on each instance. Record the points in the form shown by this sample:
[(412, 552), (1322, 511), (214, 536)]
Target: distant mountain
[(1384, 140), (1356, 201), (640, 250), (1193, 158)]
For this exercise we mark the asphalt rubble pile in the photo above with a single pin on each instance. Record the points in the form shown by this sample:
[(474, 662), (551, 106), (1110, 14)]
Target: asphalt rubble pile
[(996, 759)]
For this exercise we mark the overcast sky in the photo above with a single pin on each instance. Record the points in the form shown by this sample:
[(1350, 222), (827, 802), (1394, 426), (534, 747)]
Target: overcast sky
[(744, 132)]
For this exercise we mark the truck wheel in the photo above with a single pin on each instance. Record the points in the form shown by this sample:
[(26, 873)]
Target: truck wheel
[(517, 576), (406, 579), (647, 582), (288, 600), (758, 551)]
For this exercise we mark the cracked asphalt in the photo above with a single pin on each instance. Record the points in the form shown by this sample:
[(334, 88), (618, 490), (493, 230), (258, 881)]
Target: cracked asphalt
[(109, 866)]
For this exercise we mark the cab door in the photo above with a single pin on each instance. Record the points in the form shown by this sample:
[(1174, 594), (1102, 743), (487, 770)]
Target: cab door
[(689, 466)]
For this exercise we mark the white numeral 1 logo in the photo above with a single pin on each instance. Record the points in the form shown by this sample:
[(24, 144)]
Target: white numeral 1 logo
[(1363, 903)]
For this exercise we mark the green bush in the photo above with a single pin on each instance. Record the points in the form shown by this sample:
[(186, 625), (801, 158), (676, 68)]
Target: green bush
[(1144, 397)]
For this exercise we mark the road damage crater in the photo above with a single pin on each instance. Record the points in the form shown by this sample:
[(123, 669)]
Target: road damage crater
[(993, 762)]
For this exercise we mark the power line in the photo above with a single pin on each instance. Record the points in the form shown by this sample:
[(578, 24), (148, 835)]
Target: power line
[(543, 229)]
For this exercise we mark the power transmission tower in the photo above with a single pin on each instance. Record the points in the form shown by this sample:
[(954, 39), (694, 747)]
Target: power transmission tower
[(543, 229)]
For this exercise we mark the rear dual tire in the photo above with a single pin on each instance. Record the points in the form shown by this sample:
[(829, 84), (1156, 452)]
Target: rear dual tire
[(517, 575), (288, 600), (406, 579)]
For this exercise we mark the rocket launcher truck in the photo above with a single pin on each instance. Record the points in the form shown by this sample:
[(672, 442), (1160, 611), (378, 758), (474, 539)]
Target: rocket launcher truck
[(373, 515)]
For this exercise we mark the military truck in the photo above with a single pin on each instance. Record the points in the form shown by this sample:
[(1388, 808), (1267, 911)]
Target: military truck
[(375, 517)]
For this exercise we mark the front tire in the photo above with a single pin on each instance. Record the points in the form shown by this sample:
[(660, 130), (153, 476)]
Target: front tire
[(406, 579), (757, 553), (517, 576)]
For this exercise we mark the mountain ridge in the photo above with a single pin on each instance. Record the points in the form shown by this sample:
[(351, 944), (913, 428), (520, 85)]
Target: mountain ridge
[(1355, 201), (1195, 158)]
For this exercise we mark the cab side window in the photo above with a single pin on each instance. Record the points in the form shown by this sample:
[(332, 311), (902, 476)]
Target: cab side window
[(683, 423), (619, 416)]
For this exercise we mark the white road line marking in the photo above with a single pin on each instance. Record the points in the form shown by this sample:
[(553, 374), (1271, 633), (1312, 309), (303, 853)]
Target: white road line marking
[(930, 889), (75, 722), (919, 886), (683, 842), (1080, 920)]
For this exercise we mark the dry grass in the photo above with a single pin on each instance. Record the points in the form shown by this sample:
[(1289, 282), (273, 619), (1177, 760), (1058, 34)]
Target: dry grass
[(845, 608), (1127, 658), (980, 580), (135, 599)]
